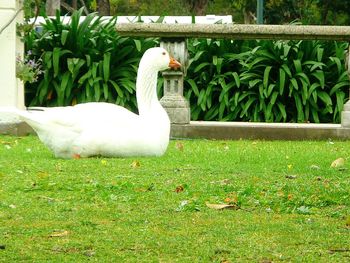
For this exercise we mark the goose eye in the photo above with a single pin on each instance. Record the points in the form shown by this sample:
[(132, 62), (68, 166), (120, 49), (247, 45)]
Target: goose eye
[(163, 53)]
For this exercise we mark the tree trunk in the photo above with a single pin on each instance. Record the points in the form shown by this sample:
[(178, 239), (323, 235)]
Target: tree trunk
[(324, 11), (75, 4), (199, 7), (103, 7), (52, 6)]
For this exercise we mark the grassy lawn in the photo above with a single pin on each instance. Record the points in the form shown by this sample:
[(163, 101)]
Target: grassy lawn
[(289, 204)]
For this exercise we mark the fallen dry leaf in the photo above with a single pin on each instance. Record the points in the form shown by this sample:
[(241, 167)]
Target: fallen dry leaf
[(315, 167), (59, 233), (222, 206), (290, 176), (179, 146), (338, 250), (338, 163), (222, 182), (347, 221), (179, 189), (135, 164)]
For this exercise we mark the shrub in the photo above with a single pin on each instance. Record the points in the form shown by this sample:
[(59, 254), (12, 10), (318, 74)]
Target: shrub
[(85, 60), (272, 81), (255, 80)]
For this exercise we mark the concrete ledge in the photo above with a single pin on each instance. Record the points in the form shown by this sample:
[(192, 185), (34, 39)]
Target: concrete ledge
[(231, 130), (16, 128), (261, 131), (235, 31)]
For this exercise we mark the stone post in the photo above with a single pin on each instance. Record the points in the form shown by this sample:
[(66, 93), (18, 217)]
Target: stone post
[(11, 89), (173, 100), (345, 115)]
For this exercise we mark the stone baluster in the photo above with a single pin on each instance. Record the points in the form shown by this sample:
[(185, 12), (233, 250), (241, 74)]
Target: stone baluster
[(173, 100)]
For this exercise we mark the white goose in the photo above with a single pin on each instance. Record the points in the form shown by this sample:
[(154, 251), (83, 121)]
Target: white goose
[(105, 129)]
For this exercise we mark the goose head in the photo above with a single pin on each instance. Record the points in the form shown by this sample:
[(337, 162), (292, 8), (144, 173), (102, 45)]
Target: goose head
[(160, 59)]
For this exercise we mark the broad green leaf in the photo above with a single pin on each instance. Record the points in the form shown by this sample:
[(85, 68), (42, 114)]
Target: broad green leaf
[(117, 88), (282, 109), (299, 107), (320, 76), (193, 86), (215, 60), (325, 97), (105, 91), (337, 61), (273, 97), (287, 70), (137, 44), (56, 60), (294, 83), (64, 35), (97, 91), (237, 80), (282, 80), (269, 90), (337, 87), (266, 76), (340, 100), (297, 65), (201, 66), (106, 65)]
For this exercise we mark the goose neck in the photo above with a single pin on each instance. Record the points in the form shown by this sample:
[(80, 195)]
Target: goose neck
[(146, 90)]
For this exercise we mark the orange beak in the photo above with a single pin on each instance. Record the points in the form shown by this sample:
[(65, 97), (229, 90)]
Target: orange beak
[(174, 64)]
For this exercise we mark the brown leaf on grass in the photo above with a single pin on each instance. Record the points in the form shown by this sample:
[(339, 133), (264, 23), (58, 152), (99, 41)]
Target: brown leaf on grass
[(179, 189), (42, 174), (222, 182), (179, 146), (89, 253), (338, 250), (347, 221), (290, 176), (135, 164), (231, 198), (59, 233), (222, 206), (338, 163), (149, 188), (315, 167)]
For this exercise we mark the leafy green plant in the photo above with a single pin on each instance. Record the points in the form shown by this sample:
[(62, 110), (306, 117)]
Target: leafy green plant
[(85, 60), (272, 81)]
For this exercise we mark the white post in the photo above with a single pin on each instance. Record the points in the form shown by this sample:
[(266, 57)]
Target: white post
[(345, 115), (11, 89)]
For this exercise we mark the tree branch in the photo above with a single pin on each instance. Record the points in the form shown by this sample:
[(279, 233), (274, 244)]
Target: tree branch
[(11, 20)]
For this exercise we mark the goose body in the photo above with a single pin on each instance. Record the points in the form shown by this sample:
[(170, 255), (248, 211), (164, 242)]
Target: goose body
[(105, 129)]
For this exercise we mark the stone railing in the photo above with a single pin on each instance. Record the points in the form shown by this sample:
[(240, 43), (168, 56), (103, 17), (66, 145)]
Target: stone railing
[(173, 37)]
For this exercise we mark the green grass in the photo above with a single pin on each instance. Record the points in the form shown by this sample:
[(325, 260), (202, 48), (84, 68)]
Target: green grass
[(293, 207)]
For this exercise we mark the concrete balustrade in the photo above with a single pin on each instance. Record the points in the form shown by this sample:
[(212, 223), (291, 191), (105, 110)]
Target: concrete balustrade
[(220, 130), (236, 31), (174, 39)]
